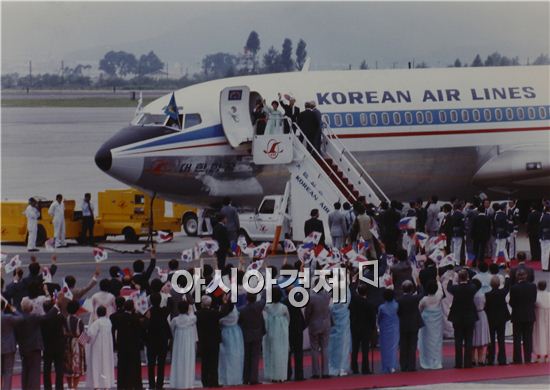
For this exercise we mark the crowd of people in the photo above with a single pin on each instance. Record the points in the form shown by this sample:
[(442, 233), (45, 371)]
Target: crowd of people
[(421, 304)]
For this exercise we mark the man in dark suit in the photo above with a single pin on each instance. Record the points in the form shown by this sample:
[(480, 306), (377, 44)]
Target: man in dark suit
[(142, 278), (210, 336), (129, 330), (427, 274), (463, 315), (291, 111), (410, 322), (318, 320), (53, 336), (251, 321), (401, 271), (497, 315), (521, 265), (115, 282), (533, 223), (115, 317), (362, 314), (390, 232), (315, 225), (221, 235), (9, 322), (157, 336), (29, 338), (296, 328), (523, 296), (481, 233), (309, 124)]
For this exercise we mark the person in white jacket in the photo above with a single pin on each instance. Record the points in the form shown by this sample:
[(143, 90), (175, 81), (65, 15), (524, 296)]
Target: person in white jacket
[(32, 213), (57, 212)]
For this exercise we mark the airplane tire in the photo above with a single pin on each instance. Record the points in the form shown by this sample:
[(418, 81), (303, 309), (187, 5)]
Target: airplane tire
[(190, 224), (130, 235)]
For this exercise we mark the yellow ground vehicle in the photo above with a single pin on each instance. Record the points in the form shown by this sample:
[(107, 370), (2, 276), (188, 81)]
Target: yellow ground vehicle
[(14, 223), (188, 216), (119, 212), (127, 212)]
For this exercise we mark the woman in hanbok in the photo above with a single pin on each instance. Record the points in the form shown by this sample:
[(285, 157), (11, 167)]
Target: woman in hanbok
[(231, 359), (276, 342), (339, 342), (101, 359), (482, 336), (274, 118), (447, 301), (184, 339), (102, 298), (388, 324), (541, 329), (75, 356), (430, 336)]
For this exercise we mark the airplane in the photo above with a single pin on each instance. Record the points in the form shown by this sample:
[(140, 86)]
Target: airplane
[(452, 132)]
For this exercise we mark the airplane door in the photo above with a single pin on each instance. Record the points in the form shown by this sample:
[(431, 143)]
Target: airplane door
[(235, 115)]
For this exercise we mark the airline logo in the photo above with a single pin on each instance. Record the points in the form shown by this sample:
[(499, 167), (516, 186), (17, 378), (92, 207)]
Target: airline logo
[(273, 149)]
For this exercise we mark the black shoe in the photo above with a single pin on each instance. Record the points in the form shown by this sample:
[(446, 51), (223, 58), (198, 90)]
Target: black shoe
[(315, 377), (355, 372), (366, 372), (326, 376), (33, 250)]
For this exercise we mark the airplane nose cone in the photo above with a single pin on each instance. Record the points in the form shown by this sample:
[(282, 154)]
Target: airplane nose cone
[(104, 159)]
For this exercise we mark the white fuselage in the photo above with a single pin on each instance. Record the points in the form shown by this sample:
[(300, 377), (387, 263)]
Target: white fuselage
[(450, 132)]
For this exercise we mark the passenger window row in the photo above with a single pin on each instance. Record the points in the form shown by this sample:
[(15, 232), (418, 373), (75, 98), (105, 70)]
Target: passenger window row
[(420, 117)]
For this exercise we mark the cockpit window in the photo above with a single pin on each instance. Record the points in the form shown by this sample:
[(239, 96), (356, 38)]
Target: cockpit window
[(150, 119), (192, 120)]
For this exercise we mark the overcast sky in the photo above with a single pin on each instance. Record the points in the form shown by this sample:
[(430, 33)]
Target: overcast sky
[(336, 33)]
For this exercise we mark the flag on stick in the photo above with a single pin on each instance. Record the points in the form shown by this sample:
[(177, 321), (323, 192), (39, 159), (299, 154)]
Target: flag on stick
[(100, 254)]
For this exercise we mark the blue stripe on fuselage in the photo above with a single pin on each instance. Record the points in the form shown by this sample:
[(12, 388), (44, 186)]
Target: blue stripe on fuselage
[(207, 132), (387, 118)]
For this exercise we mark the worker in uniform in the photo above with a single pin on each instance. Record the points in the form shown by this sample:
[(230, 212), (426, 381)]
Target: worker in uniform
[(33, 214), (87, 219), (502, 232), (513, 221), (57, 212), (544, 230)]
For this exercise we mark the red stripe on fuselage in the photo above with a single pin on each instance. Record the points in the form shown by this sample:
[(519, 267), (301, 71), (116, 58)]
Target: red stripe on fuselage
[(440, 132)]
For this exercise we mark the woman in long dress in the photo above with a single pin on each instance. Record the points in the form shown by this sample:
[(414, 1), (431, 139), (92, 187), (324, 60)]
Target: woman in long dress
[(231, 360), (447, 301), (274, 119), (75, 356), (184, 339), (482, 336), (541, 330), (275, 342), (430, 337), (388, 323), (102, 298), (101, 360), (339, 342)]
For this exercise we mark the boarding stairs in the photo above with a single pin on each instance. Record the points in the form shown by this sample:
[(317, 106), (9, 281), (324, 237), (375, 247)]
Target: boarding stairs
[(336, 166)]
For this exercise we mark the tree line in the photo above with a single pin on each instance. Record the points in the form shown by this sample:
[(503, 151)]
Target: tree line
[(125, 70)]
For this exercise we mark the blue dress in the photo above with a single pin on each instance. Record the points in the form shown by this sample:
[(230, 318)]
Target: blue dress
[(388, 323), (430, 337), (339, 342), (231, 358), (275, 343)]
